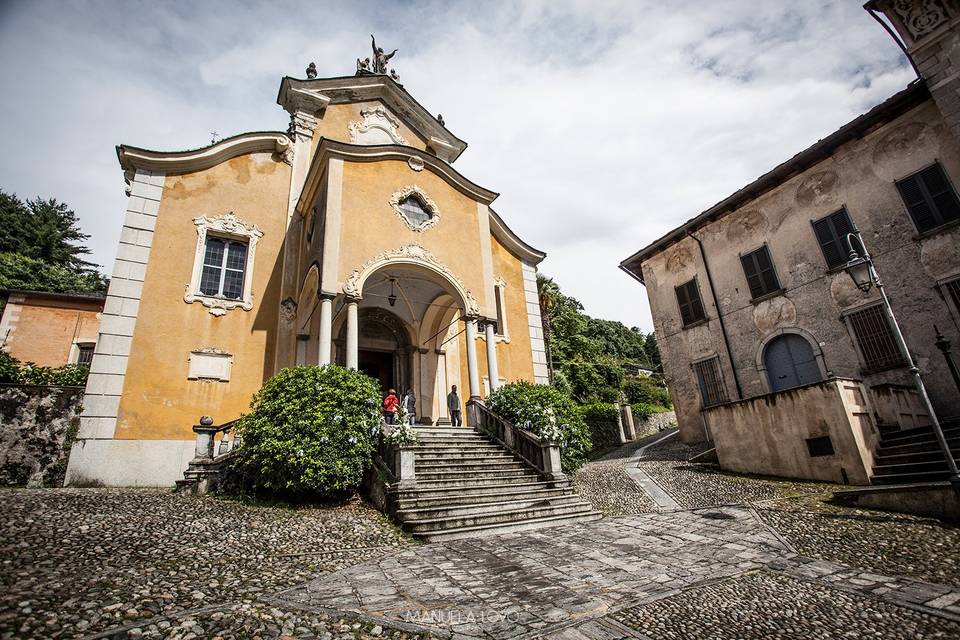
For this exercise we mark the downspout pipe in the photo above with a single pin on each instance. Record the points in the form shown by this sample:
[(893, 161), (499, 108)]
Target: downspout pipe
[(723, 327)]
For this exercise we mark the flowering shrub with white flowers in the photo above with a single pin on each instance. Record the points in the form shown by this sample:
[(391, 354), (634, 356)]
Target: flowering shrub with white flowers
[(311, 431), (547, 412)]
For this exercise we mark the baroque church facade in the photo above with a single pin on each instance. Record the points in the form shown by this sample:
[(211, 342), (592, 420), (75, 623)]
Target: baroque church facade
[(348, 239)]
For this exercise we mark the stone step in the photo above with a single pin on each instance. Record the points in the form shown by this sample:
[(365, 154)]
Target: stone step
[(462, 442), (469, 480), (431, 502), (462, 491), (510, 527), (463, 453), (458, 451), (883, 458), (912, 478), (478, 508), (457, 464), (917, 447), (425, 527), (920, 434), (910, 467), (445, 430)]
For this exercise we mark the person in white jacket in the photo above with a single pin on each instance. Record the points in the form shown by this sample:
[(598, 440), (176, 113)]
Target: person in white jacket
[(410, 406)]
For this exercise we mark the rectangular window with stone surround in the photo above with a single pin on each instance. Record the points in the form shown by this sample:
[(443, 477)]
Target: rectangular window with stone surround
[(761, 276), (224, 265), (875, 339), (831, 233), (710, 380), (929, 198), (690, 304)]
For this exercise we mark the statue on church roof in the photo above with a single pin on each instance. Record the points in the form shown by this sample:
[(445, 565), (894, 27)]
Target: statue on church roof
[(363, 66), (380, 59), (312, 70)]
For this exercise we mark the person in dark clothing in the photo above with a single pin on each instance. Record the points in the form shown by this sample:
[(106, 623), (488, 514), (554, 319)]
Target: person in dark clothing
[(453, 406)]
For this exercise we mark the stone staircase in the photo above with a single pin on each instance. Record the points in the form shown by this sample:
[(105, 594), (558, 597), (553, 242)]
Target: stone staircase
[(470, 485), (914, 455)]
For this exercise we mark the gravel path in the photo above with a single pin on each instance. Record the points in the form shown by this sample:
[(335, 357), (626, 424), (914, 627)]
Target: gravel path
[(81, 561)]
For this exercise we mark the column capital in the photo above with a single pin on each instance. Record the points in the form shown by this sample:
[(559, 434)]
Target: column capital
[(323, 295)]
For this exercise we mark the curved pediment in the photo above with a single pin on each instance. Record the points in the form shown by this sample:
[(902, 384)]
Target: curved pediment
[(315, 95)]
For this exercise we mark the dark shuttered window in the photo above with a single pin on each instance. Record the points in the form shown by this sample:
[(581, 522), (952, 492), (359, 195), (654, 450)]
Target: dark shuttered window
[(688, 299), (758, 268), (875, 338), (930, 198), (832, 233), (712, 389)]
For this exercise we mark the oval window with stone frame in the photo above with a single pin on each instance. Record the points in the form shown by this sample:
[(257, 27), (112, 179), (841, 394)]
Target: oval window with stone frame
[(415, 210)]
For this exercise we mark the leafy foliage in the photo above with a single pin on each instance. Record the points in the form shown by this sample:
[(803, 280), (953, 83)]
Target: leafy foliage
[(12, 371), (541, 409), (588, 354), (21, 272), (643, 390), (41, 248), (601, 419), (310, 431)]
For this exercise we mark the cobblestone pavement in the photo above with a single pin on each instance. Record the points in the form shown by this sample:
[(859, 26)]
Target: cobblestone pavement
[(696, 485), (595, 581), (923, 548), (607, 486), (76, 562)]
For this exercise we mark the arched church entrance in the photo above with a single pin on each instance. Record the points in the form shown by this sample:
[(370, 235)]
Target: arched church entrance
[(383, 347)]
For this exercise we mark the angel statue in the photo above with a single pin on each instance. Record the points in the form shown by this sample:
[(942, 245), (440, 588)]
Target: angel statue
[(380, 59), (363, 66)]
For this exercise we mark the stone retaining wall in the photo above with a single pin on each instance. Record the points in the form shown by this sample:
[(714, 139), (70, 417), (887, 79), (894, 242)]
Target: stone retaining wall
[(657, 422), (37, 426)]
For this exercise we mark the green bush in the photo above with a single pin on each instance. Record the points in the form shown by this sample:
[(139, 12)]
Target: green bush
[(640, 389), (601, 420), (311, 431), (642, 411), (547, 412), (12, 371)]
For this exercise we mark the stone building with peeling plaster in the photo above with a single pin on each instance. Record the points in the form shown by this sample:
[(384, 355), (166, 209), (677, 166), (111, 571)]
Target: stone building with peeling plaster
[(349, 239), (764, 336)]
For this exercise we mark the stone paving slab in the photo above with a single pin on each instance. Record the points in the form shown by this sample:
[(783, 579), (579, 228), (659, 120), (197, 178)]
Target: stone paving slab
[(566, 582)]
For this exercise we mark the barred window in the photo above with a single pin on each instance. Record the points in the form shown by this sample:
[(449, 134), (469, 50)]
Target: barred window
[(758, 268), (688, 299), (953, 290), (224, 265), (85, 353), (712, 389), (875, 339), (831, 233), (929, 198)]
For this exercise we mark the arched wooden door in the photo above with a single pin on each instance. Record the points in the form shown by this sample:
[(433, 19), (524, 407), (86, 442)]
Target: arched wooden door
[(790, 362)]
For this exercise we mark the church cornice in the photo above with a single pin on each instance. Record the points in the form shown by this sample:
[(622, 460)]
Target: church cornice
[(132, 158), (314, 96), (327, 149)]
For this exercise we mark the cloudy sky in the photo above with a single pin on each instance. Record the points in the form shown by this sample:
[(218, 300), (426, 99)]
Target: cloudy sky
[(602, 124)]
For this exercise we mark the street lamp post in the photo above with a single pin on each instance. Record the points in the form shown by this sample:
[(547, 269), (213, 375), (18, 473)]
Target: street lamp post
[(863, 272)]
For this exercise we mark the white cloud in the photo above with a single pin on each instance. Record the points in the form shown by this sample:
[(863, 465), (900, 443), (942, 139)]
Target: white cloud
[(602, 124)]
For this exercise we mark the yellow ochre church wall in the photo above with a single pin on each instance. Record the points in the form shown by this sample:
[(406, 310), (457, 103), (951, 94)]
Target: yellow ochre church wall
[(370, 226), (336, 120), (158, 401), (514, 358)]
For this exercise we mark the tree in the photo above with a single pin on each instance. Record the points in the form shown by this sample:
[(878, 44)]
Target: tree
[(45, 230), (41, 248), (652, 350)]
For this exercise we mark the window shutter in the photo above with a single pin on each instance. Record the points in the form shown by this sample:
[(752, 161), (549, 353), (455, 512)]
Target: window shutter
[(684, 303), (753, 275), (941, 193), (920, 210), (765, 267), (832, 251), (696, 305)]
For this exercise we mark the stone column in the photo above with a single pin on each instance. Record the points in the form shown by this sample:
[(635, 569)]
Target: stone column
[(474, 373), (441, 390), (492, 371), (326, 331), (353, 334)]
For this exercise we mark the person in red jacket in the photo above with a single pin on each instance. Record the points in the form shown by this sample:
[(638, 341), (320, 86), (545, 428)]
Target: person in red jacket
[(390, 405)]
